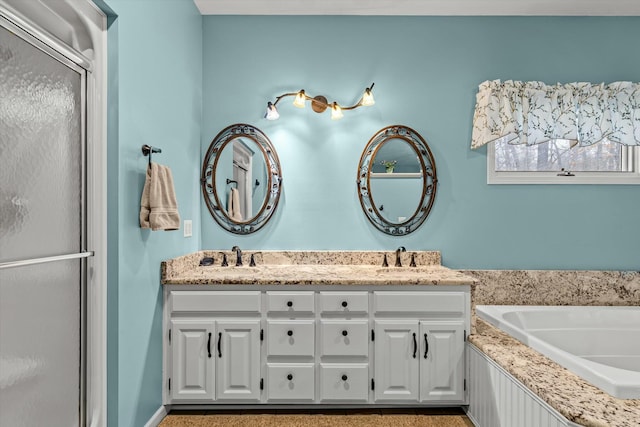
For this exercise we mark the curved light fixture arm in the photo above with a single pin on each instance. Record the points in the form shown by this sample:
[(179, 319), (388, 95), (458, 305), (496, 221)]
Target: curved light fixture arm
[(319, 103), (284, 95)]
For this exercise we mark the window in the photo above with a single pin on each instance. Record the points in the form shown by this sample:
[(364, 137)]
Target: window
[(573, 133), (562, 161)]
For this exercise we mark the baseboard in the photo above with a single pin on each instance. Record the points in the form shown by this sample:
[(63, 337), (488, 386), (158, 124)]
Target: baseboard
[(157, 418)]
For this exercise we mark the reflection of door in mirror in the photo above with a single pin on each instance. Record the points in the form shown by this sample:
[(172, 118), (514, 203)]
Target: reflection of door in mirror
[(242, 174)]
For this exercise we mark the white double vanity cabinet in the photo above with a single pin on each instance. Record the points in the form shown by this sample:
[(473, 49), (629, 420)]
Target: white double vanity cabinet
[(303, 335)]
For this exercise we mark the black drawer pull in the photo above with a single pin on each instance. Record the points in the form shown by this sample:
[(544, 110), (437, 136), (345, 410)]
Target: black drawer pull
[(344, 378), (219, 344), (426, 346), (289, 303), (415, 345), (289, 377), (209, 345), (345, 333), (290, 332), (344, 304)]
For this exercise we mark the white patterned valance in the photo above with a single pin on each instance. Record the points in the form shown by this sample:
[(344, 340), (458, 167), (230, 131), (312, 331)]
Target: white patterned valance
[(532, 112)]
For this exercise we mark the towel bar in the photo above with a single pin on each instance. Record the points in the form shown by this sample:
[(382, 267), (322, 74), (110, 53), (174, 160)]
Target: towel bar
[(147, 150)]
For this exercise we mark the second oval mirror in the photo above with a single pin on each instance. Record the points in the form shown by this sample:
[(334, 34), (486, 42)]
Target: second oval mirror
[(241, 179), (397, 180)]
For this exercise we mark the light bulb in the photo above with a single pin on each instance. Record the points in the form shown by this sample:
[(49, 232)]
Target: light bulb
[(336, 112), (300, 99), (367, 98), (272, 112)]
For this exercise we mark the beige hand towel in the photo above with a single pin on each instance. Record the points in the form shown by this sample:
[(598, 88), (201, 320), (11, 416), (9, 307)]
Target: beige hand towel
[(233, 206), (158, 206)]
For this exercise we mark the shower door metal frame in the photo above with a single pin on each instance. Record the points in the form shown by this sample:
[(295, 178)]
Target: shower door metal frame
[(72, 59)]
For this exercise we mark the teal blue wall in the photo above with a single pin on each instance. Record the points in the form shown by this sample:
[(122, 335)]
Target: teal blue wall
[(426, 70), (155, 82)]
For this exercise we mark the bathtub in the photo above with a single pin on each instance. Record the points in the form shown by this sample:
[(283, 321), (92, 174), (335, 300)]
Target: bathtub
[(599, 344)]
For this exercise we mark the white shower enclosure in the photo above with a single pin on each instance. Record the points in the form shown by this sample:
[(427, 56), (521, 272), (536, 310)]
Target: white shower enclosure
[(45, 263)]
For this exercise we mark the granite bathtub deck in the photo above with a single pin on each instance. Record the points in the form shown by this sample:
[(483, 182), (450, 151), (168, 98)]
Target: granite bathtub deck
[(574, 398), (312, 268)]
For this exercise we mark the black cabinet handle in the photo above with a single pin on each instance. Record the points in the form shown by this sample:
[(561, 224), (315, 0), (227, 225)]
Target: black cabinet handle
[(290, 332), (345, 333), (289, 377), (289, 303), (209, 346), (426, 346), (219, 344), (344, 304), (415, 345), (344, 378)]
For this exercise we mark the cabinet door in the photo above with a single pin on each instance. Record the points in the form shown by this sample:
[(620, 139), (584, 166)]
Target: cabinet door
[(192, 360), (441, 361), (396, 360), (238, 365)]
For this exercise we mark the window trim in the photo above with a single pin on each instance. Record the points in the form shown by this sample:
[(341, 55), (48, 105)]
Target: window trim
[(631, 156)]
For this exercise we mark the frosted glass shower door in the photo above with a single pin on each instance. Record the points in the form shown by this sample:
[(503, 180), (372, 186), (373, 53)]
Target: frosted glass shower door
[(42, 221)]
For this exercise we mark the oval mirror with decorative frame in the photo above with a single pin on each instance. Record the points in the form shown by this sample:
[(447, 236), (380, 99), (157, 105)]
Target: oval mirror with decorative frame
[(397, 180), (241, 179)]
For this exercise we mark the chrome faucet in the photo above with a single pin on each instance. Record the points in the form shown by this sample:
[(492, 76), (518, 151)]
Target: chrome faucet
[(238, 255), (400, 249)]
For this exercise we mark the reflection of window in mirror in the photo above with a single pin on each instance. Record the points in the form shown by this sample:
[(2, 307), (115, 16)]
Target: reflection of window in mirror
[(243, 174), (398, 152)]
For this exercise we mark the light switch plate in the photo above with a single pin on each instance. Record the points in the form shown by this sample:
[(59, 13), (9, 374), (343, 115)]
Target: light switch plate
[(188, 228)]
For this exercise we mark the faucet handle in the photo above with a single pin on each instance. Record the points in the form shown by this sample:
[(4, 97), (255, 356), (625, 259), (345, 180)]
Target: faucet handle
[(385, 263), (413, 260), (224, 260), (252, 263)]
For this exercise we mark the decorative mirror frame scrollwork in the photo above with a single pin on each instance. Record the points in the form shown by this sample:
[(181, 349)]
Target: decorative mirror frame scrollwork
[(208, 178), (429, 179)]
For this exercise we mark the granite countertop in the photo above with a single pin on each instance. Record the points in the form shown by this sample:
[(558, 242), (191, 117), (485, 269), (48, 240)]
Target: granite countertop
[(574, 398), (312, 268)]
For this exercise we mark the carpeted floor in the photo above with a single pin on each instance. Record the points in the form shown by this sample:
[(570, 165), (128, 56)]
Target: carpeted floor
[(316, 420)]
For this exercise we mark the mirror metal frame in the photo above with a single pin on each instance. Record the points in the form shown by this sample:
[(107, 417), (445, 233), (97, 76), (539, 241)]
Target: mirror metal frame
[(429, 179), (208, 178)]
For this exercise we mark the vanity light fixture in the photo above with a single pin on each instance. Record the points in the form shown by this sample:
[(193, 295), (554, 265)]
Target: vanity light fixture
[(319, 104)]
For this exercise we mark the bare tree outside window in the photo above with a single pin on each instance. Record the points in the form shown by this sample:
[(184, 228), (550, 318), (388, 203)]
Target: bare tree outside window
[(605, 156)]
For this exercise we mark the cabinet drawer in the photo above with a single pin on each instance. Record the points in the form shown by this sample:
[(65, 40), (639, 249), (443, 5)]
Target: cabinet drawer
[(219, 301), (347, 381), (344, 338), (451, 302), (292, 381), (344, 302), (290, 338), (291, 301)]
